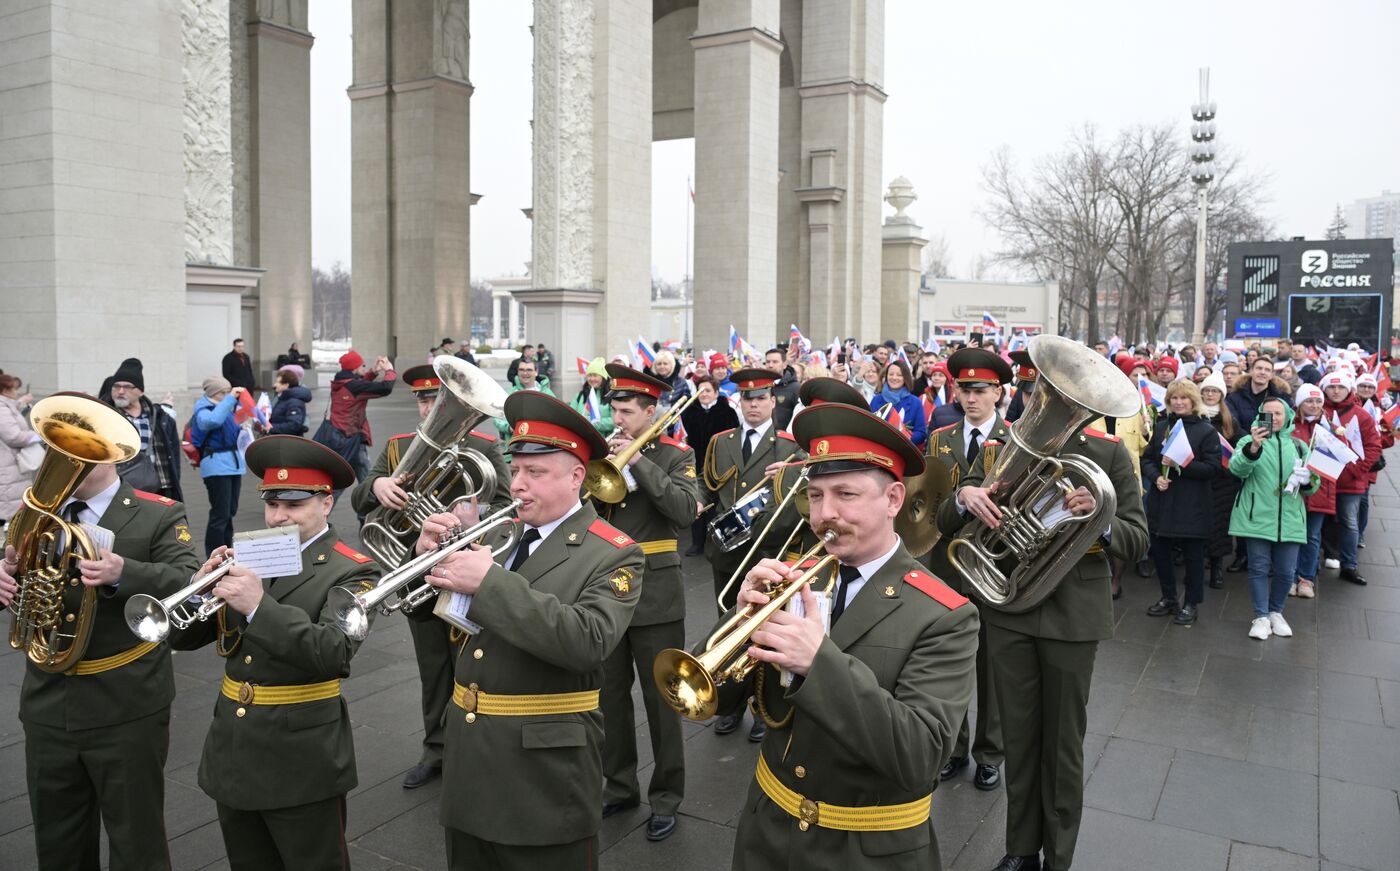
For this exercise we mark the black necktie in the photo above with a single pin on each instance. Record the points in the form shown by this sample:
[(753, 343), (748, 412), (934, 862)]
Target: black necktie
[(748, 443), (73, 510), (849, 574), (974, 445), (522, 550)]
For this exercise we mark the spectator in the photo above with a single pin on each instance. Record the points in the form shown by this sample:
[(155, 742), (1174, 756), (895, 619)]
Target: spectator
[(785, 391), (544, 361), (928, 363), (238, 368), (156, 469), (1225, 487), (1101, 347), (1320, 505), (666, 369), (15, 435), (1307, 370), (1231, 372), (1134, 432), (719, 371), (1165, 371), (1270, 514), (351, 390), (1366, 393), (526, 378), (896, 404), (288, 415), (293, 357), (937, 391), (527, 352), (1210, 356), (592, 399), (708, 415), (1178, 500), (215, 434), (1283, 350), (1251, 390), (868, 382), (1285, 371), (1346, 417), (1199, 374)]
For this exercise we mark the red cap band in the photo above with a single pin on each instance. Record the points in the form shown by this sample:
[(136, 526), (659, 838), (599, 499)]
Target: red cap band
[(849, 447), (757, 383), (542, 432), (632, 385), (287, 478), (426, 384)]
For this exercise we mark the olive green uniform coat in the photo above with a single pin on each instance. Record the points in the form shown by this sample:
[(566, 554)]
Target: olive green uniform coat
[(872, 723), (662, 505), (530, 781), (1043, 662), (432, 639), (96, 744), (948, 446), (262, 758)]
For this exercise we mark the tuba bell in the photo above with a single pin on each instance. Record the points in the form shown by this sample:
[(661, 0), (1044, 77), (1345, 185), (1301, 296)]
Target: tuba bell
[(51, 625), (436, 464), (1029, 481)]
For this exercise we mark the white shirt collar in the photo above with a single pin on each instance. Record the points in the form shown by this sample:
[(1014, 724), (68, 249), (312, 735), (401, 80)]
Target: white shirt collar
[(546, 530), (984, 428), (312, 539), (761, 429), (96, 505), (867, 571)]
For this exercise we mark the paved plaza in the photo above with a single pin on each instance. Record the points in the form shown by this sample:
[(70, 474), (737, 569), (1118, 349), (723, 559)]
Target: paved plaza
[(1206, 750)]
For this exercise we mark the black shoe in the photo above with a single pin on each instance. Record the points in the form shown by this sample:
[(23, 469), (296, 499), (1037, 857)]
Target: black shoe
[(1144, 568), (616, 807), (987, 777), (951, 768), (1117, 594), (695, 551), (1239, 565), (1018, 863), (660, 827), (1186, 616), (759, 730), (420, 774), (728, 723), (1217, 582), (1351, 575), (1162, 607)]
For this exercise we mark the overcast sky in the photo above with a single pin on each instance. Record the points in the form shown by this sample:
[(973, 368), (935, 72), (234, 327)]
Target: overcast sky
[(1305, 93)]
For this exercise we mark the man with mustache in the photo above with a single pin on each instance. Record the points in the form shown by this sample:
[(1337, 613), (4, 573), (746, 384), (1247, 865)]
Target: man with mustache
[(862, 697)]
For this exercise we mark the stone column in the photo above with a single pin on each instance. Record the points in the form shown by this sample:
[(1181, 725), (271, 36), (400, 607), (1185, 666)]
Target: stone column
[(737, 48), (902, 266), (410, 190), (565, 321), (277, 184), (92, 193)]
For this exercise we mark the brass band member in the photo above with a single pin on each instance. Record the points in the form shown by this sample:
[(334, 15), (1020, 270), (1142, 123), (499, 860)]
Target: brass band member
[(96, 738), (736, 464), (661, 503), (279, 758), (856, 740), (432, 646), (979, 377), (1046, 655), (522, 769)]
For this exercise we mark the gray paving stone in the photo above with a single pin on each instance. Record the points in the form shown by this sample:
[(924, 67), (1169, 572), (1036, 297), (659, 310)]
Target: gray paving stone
[(1207, 725), (1360, 753), (1360, 825), (1121, 661), (1250, 857), (1383, 626), (1107, 701), (1177, 671), (1283, 739), (697, 844), (14, 814), (1354, 656), (1349, 697), (1128, 778), (1390, 702), (18, 849), (1262, 683), (413, 839), (1108, 840), (1335, 620), (1204, 793)]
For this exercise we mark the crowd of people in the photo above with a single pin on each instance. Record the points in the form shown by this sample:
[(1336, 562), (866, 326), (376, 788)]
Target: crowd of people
[(538, 647)]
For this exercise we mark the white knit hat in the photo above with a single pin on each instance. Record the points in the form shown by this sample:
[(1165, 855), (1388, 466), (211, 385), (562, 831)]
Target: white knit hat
[(1339, 377), (1304, 393), (1216, 380)]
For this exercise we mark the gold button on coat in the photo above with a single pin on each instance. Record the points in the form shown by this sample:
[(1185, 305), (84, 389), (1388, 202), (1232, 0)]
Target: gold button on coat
[(248, 660), (800, 771), (478, 653), (241, 711), (471, 716)]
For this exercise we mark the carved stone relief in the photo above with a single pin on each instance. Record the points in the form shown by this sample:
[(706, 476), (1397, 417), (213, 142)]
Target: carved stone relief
[(563, 130), (208, 134)]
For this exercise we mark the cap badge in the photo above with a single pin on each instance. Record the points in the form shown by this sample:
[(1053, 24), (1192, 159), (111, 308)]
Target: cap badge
[(281, 474), (821, 448), (523, 428)]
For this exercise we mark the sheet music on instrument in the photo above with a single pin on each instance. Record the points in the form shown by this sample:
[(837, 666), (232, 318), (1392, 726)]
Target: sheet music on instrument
[(269, 553), (101, 537), (452, 607)]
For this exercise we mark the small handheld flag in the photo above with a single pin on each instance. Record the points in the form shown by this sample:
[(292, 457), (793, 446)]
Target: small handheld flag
[(1177, 446), (582, 365), (989, 323), (1226, 452), (644, 353)]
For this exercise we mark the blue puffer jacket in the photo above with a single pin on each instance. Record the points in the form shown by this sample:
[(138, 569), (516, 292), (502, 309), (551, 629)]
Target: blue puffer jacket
[(911, 411), (220, 445), (289, 414)]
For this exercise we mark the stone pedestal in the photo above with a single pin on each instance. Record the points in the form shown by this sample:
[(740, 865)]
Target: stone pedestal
[(902, 249), (565, 320)]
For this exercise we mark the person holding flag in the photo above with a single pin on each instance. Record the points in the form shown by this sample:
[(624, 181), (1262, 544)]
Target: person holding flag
[(1352, 424), (592, 398), (1180, 463), (897, 405), (1372, 399), (1225, 487), (1322, 504)]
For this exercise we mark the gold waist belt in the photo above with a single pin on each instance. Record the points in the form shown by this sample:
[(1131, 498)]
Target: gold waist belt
[(246, 694), (474, 701), (880, 818), (116, 660)]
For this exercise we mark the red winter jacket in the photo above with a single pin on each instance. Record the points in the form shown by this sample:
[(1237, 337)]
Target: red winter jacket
[(1324, 501), (350, 393), (1354, 477), (1387, 441)]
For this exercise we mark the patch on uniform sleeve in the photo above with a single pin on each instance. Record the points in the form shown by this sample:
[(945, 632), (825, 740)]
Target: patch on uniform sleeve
[(153, 497), (610, 533), (346, 550), (621, 582), (935, 589), (182, 533), (690, 471)]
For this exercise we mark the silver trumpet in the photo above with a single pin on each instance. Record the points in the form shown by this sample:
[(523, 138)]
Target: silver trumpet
[(352, 610), (151, 619)]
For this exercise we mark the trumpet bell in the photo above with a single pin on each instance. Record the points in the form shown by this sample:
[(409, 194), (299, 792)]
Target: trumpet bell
[(147, 618), (603, 480), (351, 615), (685, 684)]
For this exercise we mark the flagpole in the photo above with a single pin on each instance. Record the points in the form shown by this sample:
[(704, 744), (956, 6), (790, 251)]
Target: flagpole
[(690, 296)]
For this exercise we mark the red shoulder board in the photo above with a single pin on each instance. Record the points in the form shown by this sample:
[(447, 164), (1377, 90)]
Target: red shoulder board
[(729, 431), (942, 428), (1100, 434), (675, 443), (784, 434), (406, 435), (935, 589), (153, 497), (609, 533), (346, 550), (484, 436)]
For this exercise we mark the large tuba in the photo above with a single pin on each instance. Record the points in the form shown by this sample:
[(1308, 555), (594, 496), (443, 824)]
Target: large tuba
[(436, 464), (53, 612), (1076, 384)]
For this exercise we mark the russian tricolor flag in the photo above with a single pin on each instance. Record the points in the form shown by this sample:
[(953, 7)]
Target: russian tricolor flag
[(989, 323), (1226, 452), (1177, 446), (644, 352)]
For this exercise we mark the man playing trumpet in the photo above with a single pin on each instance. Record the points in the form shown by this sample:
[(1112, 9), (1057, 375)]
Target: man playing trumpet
[(867, 710), (279, 758)]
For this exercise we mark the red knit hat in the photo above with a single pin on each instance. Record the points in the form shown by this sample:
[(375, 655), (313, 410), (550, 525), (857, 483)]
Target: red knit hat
[(351, 360), (718, 360)]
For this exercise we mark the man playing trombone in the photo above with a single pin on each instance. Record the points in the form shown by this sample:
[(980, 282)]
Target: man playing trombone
[(96, 739), (522, 771), (864, 713), (279, 758), (660, 501)]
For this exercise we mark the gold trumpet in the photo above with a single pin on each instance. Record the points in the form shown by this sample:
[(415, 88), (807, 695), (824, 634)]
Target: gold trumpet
[(604, 480), (689, 683)]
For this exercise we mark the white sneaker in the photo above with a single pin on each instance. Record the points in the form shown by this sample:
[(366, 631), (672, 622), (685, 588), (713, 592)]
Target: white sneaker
[(1260, 628), (1332, 563), (1279, 625), (1306, 591), (1293, 590)]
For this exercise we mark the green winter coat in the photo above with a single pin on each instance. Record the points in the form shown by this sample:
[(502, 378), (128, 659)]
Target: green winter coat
[(541, 384), (1262, 509)]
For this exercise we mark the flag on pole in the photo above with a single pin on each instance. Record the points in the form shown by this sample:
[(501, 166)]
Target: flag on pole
[(1353, 437), (989, 323), (890, 414), (1329, 455), (734, 341), (905, 357), (932, 346), (1018, 342), (263, 410), (1153, 395), (1177, 447), (1389, 416), (1115, 345), (644, 352), (246, 409), (795, 335), (582, 365), (1226, 452), (590, 406)]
